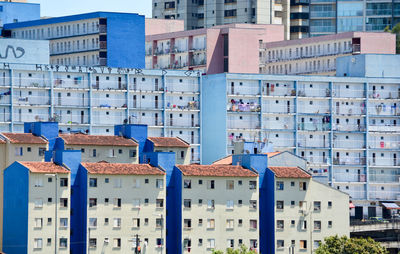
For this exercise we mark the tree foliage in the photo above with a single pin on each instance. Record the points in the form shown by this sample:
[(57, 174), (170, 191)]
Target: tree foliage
[(242, 250), (345, 245), (395, 30)]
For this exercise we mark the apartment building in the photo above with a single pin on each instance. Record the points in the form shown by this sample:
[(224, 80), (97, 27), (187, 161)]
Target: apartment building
[(93, 101), (124, 208), (346, 127), (90, 39), (18, 11), (225, 48), (305, 211), (175, 145), (219, 209), (205, 14), (161, 26), (95, 148), (318, 55), (36, 208)]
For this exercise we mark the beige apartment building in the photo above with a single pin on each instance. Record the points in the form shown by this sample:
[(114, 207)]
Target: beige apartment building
[(219, 208), (306, 211), (169, 144), (37, 195), (125, 208), (95, 148)]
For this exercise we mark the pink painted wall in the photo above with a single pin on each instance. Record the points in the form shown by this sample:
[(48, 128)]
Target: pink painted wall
[(160, 26), (377, 43), (215, 51)]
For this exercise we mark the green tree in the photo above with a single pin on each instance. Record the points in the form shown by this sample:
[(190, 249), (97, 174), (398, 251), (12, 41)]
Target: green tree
[(345, 245), (242, 250), (395, 30)]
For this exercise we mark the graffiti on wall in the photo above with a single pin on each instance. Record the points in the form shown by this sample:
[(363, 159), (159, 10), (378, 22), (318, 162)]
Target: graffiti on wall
[(17, 52)]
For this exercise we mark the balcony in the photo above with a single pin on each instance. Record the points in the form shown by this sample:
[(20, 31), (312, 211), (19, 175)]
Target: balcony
[(349, 127), (384, 144), (102, 29), (349, 161), (244, 107), (356, 48), (384, 128), (314, 126), (322, 14), (198, 62), (191, 105)]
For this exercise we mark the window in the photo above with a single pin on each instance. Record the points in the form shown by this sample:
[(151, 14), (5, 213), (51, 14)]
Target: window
[(106, 201), (64, 222), (303, 185), (42, 150), (329, 204), (159, 223), (136, 223), (210, 243), (303, 244), (38, 243), (303, 225), (132, 153), (210, 223), (279, 185), (253, 224), (280, 224), (229, 204), (240, 222), (38, 203), (292, 184), (210, 184), (317, 243), (230, 184), (280, 243), (19, 151), (317, 225), (279, 204), (136, 183), (117, 203), (117, 223), (210, 204), (94, 152), (146, 201), (92, 242), (182, 154), (38, 222), (229, 224), (253, 204), (93, 222), (159, 183), (187, 223), (187, 203), (106, 180), (106, 221), (187, 243), (118, 183), (63, 182), (63, 242), (330, 223), (136, 203), (317, 206), (159, 203), (252, 185), (93, 182), (187, 184), (39, 182), (293, 222), (117, 243)]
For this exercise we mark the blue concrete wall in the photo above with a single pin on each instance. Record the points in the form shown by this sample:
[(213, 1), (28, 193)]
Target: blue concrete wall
[(15, 214), (259, 163), (368, 65), (126, 40), (19, 11), (49, 130), (213, 118), (136, 131)]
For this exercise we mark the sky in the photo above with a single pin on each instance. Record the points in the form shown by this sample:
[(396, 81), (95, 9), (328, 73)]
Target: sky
[(54, 8)]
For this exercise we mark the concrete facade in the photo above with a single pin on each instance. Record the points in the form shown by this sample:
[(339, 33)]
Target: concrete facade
[(161, 26), (18, 11)]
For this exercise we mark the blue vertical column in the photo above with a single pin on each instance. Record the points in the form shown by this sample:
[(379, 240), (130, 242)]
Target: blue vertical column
[(260, 101), (164, 98), (90, 103), (331, 136), (127, 96), (366, 87), (11, 73), (296, 113), (200, 82), (51, 79)]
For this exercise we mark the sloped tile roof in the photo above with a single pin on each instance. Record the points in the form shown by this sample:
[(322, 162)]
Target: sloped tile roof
[(96, 140), (102, 168), (24, 138), (168, 142), (289, 172), (216, 170), (44, 167)]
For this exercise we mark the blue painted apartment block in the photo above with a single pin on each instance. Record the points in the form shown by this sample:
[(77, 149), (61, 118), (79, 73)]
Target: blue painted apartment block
[(11, 12), (92, 39), (136, 131)]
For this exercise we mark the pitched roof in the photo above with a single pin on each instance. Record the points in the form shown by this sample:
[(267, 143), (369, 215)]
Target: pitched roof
[(289, 172), (216, 170), (96, 140), (44, 167), (24, 138), (228, 159), (168, 142), (102, 168)]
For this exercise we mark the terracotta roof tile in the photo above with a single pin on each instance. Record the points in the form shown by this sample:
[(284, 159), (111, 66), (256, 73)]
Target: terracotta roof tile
[(289, 172), (96, 140), (168, 142), (44, 167), (228, 159), (102, 168), (216, 170), (24, 138)]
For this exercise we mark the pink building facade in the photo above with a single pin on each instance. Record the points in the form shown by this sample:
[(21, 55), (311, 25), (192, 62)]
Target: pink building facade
[(161, 26), (227, 48)]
